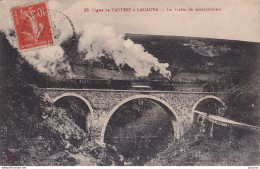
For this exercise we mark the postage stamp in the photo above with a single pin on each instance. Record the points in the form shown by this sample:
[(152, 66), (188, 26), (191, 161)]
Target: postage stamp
[(32, 26)]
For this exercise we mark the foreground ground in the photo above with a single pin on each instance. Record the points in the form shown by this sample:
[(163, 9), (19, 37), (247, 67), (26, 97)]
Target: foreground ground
[(196, 148)]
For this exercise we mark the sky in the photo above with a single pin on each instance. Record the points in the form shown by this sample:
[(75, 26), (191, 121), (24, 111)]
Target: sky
[(238, 19)]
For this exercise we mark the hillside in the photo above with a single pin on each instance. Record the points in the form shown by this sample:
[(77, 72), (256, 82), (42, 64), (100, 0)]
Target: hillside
[(201, 54), (196, 148), (34, 132)]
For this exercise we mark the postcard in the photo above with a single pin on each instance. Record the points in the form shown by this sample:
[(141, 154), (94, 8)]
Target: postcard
[(130, 83)]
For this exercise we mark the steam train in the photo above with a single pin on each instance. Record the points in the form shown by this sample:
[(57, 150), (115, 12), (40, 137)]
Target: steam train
[(123, 84)]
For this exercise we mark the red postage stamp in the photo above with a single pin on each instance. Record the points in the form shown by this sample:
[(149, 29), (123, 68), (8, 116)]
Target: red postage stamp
[(32, 26)]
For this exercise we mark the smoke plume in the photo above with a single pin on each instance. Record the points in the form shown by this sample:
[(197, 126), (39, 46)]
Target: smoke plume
[(98, 40), (50, 61)]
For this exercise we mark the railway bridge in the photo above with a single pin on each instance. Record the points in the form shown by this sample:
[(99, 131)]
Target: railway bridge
[(103, 103)]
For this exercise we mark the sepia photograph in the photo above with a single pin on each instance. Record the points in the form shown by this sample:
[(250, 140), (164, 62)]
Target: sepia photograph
[(130, 83)]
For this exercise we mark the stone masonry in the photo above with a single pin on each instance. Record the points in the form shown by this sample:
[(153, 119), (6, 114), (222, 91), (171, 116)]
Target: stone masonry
[(102, 103)]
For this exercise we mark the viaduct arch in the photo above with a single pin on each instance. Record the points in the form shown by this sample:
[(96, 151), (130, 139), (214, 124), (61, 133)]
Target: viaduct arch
[(208, 97), (89, 117), (74, 95), (204, 98), (175, 122)]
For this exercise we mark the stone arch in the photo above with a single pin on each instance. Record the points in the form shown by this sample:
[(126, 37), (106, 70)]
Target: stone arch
[(176, 126), (208, 97), (89, 118)]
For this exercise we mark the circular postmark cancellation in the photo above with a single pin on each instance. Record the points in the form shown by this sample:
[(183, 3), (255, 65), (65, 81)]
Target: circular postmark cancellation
[(63, 28), (36, 26)]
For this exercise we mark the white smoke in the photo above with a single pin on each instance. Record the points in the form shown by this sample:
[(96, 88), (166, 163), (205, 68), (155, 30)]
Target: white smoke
[(7, 26), (50, 61), (98, 39)]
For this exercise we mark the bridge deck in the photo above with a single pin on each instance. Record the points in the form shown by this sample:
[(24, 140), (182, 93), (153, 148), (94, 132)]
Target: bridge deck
[(134, 91), (224, 121)]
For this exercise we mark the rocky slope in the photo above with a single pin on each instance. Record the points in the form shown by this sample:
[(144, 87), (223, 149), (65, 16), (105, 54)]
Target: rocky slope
[(196, 148), (33, 132)]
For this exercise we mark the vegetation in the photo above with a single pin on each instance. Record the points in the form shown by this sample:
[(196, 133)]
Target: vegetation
[(33, 132), (196, 148)]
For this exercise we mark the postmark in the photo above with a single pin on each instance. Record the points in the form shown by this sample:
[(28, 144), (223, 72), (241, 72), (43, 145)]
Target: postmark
[(32, 26), (63, 28)]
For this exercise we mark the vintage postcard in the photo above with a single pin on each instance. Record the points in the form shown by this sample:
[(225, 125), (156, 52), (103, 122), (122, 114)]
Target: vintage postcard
[(130, 83)]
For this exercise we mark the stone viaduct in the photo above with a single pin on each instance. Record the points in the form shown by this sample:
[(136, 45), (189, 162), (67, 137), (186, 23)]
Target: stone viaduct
[(103, 103)]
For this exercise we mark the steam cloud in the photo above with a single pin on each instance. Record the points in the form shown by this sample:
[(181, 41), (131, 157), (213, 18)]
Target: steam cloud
[(98, 39), (50, 61)]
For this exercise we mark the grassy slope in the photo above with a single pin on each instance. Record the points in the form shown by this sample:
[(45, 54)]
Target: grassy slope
[(172, 49)]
